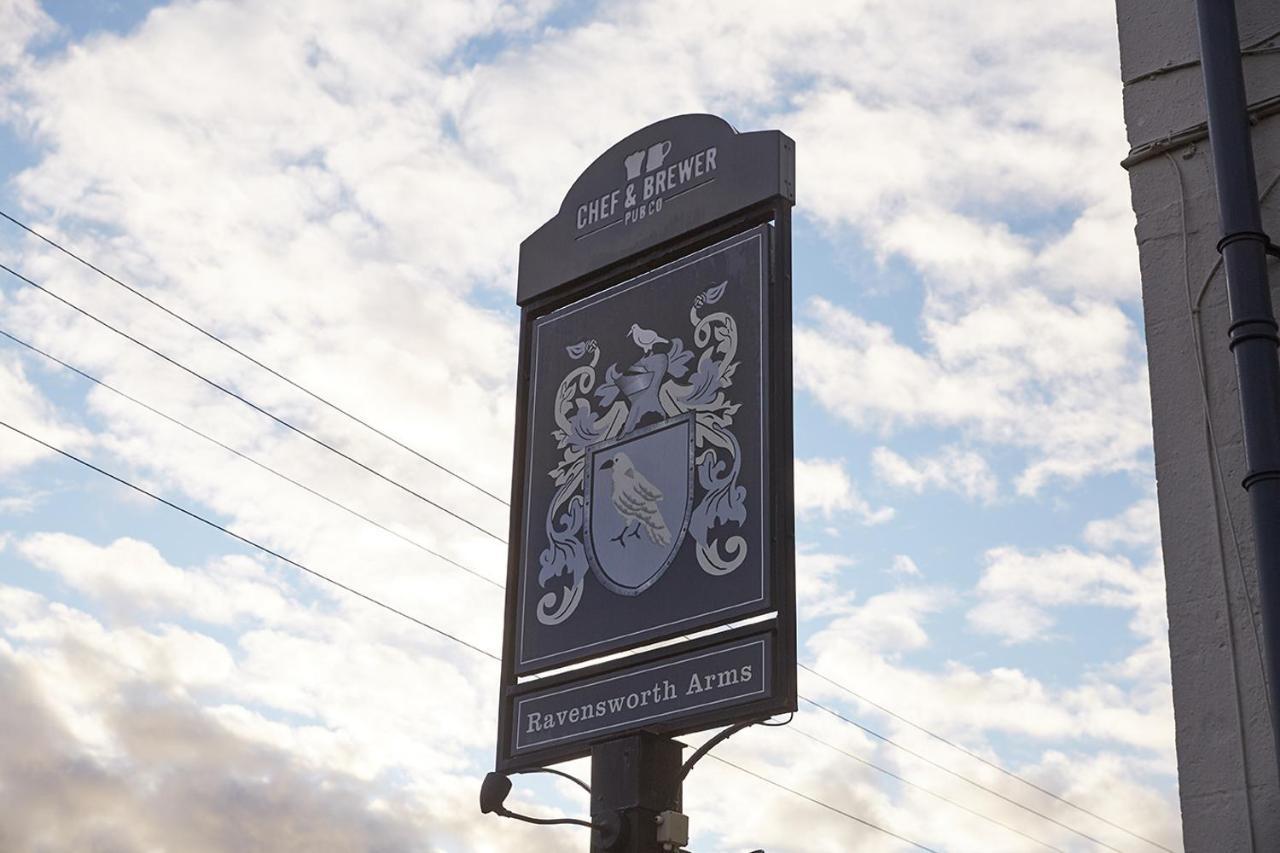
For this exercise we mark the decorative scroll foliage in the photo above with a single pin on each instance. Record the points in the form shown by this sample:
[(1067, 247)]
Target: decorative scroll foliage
[(586, 415)]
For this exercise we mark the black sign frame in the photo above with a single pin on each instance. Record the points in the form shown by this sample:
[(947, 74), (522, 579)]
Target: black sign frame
[(756, 189)]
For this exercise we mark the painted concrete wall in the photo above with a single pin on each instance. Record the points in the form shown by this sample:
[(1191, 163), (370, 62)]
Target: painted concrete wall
[(1227, 775)]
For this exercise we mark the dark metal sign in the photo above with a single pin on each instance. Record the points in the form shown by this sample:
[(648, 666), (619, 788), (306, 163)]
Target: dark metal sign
[(652, 491)]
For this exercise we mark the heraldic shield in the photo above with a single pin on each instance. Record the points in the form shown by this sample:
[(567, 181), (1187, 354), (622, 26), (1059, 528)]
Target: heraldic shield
[(639, 494)]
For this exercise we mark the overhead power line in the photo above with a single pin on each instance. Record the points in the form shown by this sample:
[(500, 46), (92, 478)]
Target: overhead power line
[(500, 586), (250, 358), (247, 541), (971, 754), (960, 776), (434, 553), (279, 420), (923, 789), (877, 827), (421, 623), (427, 625), (474, 525), (246, 457), (464, 568)]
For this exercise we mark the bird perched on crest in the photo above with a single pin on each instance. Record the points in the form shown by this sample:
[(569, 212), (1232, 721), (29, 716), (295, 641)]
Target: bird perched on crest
[(645, 338), (636, 500)]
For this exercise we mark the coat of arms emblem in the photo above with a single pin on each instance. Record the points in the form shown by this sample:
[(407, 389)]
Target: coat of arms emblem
[(649, 464)]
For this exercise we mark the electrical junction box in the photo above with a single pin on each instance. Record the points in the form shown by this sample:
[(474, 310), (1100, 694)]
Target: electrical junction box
[(673, 830)]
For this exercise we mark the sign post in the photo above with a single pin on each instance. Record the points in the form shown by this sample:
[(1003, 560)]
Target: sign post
[(652, 492), (636, 778)]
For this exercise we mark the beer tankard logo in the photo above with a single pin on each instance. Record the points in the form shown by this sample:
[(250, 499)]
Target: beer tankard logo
[(650, 159), (650, 462), (657, 153)]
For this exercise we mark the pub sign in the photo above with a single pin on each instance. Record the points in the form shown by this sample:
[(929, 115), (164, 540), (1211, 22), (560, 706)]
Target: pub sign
[(652, 490)]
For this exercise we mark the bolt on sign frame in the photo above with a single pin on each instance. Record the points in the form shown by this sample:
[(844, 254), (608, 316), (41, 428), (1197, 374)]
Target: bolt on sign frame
[(652, 495)]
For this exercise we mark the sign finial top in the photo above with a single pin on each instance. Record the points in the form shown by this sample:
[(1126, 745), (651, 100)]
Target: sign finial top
[(661, 181)]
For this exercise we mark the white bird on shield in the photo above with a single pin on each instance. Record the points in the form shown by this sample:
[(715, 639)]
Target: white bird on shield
[(636, 500), (645, 338)]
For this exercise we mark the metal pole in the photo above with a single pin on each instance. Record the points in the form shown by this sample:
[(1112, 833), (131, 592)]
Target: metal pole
[(1253, 338), (633, 780)]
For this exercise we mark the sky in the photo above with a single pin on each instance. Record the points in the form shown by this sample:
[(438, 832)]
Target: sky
[(339, 189)]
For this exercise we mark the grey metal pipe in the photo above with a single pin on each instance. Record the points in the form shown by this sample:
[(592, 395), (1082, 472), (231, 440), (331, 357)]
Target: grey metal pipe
[(1253, 331)]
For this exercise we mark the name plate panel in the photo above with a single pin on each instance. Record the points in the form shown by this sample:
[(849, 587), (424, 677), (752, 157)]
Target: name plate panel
[(667, 696)]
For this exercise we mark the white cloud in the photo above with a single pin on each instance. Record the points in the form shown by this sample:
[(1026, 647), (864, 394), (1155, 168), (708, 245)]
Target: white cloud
[(970, 704), (1024, 342), (168, 787), (1013, 619), (20, 504), (818, 587), (1138, 526), (153, 762), (24, 20), (1018, 591), (1053, 379), (890, 623), (823, 487), (1119, 732), (132, 576), (341, 190), (904, 565), (1060, 576), (25, 408), (961, 471), (956, 249)]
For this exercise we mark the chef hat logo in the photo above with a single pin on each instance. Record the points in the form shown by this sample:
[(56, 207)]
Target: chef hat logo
[(634, 163)]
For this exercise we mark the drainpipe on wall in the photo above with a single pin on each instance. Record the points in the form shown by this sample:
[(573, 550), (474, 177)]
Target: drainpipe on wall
[(1253, 332)]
